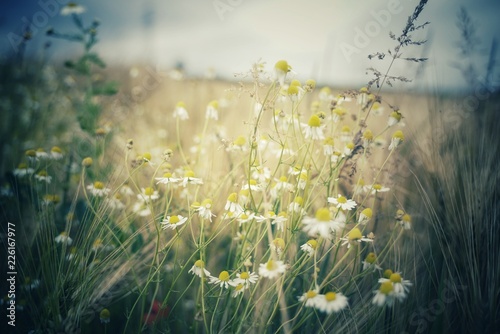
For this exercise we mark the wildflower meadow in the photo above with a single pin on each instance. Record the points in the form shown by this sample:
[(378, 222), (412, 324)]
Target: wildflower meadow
[(136, 202)]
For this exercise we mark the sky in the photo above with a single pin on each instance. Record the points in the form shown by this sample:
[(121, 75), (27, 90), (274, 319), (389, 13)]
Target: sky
[(327, 40)]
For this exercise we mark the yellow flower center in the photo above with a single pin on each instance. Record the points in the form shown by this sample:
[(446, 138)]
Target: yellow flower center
[(149, 191), (238, 287), (350, 145), (31, 153), (368, 134), (181, 104), (56, 149), (282, 65), (323, 215), (147, 156), (214, 104), (98, 185), (270, 265), (311, 83), (313, 243), (328, 141), (233, 197), (398, 135), (346, 129), (199, 264), (330, 296), (367, 212), (279, 243), (386, 288), (252, 182), (167, 175), (387, 273), (395, 278), (396, 115), (377, 186), (283, 179), (371, 258), (314, 121), (174, 219), (292, 90), (295, 82), (42, 173), (206, 202), (342, 200), (105, 314), (407, 218), (299, 200), (244, 275), (87, 162), (311, 294), (240, 141), (355, 234), (189, 173), (282, 214), (224, 276)]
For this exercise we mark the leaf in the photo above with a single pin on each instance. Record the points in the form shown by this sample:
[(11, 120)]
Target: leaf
[(108, 88), (95, 59)]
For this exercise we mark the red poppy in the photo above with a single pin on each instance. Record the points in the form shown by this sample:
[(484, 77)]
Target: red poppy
[(157, 312)]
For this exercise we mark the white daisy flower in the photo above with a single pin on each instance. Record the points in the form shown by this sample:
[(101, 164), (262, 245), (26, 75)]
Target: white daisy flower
[(41, 154), (180, 111), (323, 224), (97, 189), (222, 280), (148, 195), (400, 285), (279, 220), (311, 298), (370, 262), (342, 203), (272, 269), (383, 296), (198, 269), (245, 278), (42, 176), (354, 236), (167, 179), (23, 170), (365, 216), (378, 188), (232, 204), (238, 289), (309, 247), (56, 153), (313, 128), (253, 186), (281, 68), (331, 302), (142, 209), (173, 222), (63, 238), (72, 8), (205, 209), (394, 118), (397, 138), (212, 110), (189, 178), (328, 147)]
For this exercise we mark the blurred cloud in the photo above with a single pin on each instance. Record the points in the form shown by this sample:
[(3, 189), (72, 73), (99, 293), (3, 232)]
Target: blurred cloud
[(321, 39)]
